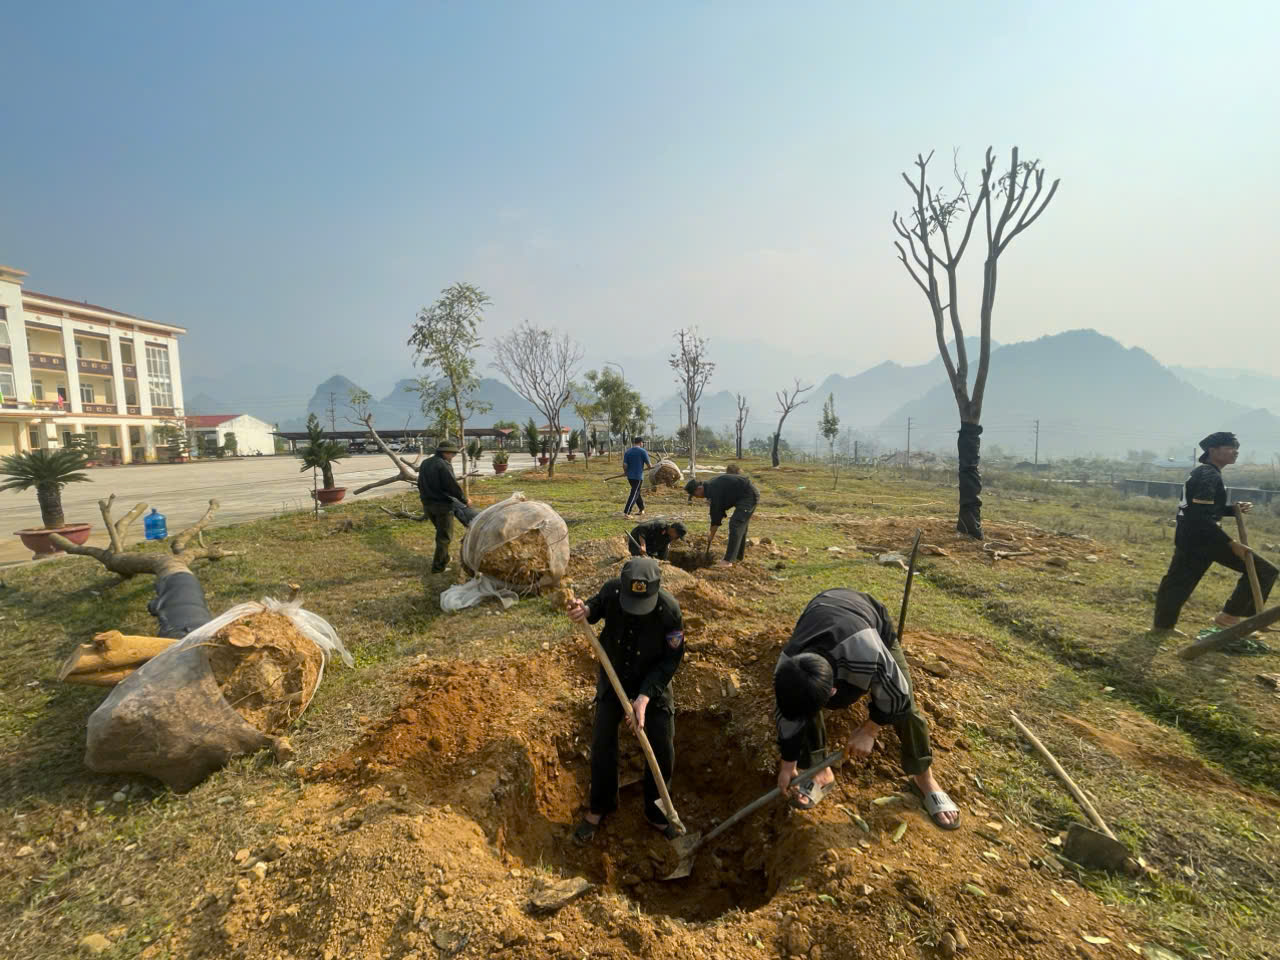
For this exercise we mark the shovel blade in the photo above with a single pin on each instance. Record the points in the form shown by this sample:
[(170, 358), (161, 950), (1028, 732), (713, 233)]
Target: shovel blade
[(687, 847), (1090, 848)]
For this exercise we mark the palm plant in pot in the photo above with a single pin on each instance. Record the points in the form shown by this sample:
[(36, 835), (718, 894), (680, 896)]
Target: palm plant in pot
[(500, 458), (48, 471), (321, 454)]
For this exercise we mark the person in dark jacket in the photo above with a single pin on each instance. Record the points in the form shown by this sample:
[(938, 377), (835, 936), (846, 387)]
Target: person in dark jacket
[(438, 488), (728, 490), (634, 463), (844, 646), (1199, 541), (653, 538), (643, 637)]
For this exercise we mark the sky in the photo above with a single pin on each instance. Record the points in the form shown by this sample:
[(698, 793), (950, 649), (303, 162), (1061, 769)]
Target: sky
[(292, 182)]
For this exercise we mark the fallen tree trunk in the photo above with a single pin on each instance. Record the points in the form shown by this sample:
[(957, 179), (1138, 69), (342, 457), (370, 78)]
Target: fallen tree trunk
[(406, 471), (110, 657)]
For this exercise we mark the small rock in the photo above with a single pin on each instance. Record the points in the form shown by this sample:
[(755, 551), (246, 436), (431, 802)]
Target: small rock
[(223, 801), (128, 901), (553, 896), (892, 560), (277, 848), (938, 669), (241, 855), (863, 890), (119, 797), (835, 550), (947, 945), (556, 935), (94, 943), (1057, 561), (1091, 558), (259, 870), (25, 851), (962, 942), (733, 685)]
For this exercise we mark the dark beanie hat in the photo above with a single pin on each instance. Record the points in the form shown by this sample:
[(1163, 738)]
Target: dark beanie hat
[(1223, 438)]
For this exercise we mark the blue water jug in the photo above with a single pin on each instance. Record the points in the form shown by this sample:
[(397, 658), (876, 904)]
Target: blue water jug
[(154, 525)]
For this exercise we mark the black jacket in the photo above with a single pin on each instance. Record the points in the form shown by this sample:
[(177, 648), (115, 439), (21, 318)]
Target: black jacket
[(1203, 505), (652, 535), (729, 490), (436, 482), (854, 633), (645, 651)]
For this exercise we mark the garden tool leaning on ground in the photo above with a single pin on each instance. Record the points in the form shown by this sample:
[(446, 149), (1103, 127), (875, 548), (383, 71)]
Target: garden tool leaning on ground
[(664, 803)]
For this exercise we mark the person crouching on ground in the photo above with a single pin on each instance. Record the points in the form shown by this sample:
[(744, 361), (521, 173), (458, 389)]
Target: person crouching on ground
[(843, 646), (643, 637), (1199, 542), (653, 538), (728, 490), (438, 488)]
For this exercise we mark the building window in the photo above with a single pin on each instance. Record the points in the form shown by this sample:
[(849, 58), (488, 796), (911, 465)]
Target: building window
[(37, 390), (8, 390), (4, 329), (158, 377), (62, 392), (86, 393), (126, 352), (33, 434), (79, 350)]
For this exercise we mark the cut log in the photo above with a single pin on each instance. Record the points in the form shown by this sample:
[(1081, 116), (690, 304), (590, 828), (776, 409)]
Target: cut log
[(108, 654), (1222, 638)]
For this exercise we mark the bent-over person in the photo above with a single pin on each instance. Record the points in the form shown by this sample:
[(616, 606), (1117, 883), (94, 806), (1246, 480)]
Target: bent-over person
[(1199, 541), (643, 637), (729, 490), (438, 489), (844, 646), (653, 538)]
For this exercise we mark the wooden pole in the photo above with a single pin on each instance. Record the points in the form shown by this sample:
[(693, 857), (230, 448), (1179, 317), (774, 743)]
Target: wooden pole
[(1223, 637), (586, 631), (1062, 775), (1250, 567)]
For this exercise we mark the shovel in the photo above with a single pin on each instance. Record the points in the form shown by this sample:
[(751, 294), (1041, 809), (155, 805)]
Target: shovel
[(664, 802), (689, 845)]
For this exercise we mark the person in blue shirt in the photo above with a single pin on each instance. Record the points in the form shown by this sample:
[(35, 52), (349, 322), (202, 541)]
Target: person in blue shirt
[(634, 462)]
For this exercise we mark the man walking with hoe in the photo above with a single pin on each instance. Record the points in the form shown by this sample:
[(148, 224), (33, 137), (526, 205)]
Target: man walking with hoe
[(722, 492), (1199, 541), (653, 538), (438, 488), (844, 646), (643, 638), (634, 463)]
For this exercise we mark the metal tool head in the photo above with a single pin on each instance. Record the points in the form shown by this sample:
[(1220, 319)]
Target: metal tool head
[(673, 818), (687, 847)]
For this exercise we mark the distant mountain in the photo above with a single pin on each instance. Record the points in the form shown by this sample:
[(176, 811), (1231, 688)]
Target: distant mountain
[(718, 411), (1239, 386), (1090, 395)]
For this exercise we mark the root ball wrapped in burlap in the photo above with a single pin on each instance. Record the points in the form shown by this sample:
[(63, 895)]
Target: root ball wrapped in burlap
[(522, 543), (229, 687), (666, 474)]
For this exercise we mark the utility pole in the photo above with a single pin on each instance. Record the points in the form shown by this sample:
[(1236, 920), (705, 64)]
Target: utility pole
[(855, 453), (1037, 443), (333, 412), (909, 442)]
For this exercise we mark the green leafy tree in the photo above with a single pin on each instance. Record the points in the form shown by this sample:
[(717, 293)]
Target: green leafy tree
[(575, 440), (586, 406), (445, 337), (230, 444), (48, 471), (320, 453), (532, 439), (829, 426), (617, 401)]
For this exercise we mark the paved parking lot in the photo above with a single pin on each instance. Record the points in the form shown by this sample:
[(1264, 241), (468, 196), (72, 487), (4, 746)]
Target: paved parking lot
[(246, 489)]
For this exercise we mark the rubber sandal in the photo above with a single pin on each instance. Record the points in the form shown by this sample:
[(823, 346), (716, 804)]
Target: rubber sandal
[(936, 803), (812, 791), (586, 832)]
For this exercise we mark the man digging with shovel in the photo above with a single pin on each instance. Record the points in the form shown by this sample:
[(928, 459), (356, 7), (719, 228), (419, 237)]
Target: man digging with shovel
[(653, 538), (844, 646), (722, 492), (643, 637)]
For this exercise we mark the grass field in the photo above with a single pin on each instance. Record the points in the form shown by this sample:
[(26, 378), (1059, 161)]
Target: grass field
[(1182, 758)]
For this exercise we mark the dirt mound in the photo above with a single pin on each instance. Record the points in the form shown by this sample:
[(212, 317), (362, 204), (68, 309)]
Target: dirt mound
[(267, 670)]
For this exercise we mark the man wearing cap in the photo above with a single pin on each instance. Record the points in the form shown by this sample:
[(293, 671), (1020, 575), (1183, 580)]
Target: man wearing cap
[(438, 488), (653, 538), (643, 637), (1199, 542), (634, 463), (844, 646), (728, 490)]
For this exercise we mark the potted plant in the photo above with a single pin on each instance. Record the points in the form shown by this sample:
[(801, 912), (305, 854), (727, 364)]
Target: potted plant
[(544, 452), (474, 450), (575, 439), (321, 454), (48, 471), (500, 459)]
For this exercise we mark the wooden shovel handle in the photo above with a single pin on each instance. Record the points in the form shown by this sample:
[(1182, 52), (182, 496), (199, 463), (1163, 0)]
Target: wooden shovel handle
[(1250, 567)]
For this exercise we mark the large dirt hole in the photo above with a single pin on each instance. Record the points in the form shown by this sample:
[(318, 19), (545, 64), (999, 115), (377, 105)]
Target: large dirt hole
[(714, 777)]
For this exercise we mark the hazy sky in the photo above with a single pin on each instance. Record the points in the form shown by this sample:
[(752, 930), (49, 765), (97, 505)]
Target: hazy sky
[(292, 181)]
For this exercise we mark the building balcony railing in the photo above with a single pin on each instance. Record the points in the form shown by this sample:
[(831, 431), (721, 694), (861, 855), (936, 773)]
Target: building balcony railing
[(162, 411), (37, 406), (130, 371), (98, 407), (102, 367), (133, 410), (47, 361)]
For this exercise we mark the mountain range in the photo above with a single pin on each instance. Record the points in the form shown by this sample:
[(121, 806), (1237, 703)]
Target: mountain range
[(1089, 393)]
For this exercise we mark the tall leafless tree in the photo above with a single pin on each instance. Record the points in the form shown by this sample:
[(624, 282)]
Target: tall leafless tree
[(740, 424), (540, 366), (693, 370), (1007, 203), (788, 400)]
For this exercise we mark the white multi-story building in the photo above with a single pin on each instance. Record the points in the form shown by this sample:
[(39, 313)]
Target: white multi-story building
[(69, 368)]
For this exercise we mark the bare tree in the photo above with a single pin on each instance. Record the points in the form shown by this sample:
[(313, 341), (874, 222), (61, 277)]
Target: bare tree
[(693, 370), (788, 400), (740, 424), (1019, 198), (444, 338), (406, 470), (540, 366)]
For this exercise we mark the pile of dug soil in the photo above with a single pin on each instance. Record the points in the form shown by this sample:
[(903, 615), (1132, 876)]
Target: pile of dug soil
[(266, 669)]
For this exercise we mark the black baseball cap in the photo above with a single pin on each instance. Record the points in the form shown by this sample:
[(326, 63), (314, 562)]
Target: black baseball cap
[(641, 580)]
